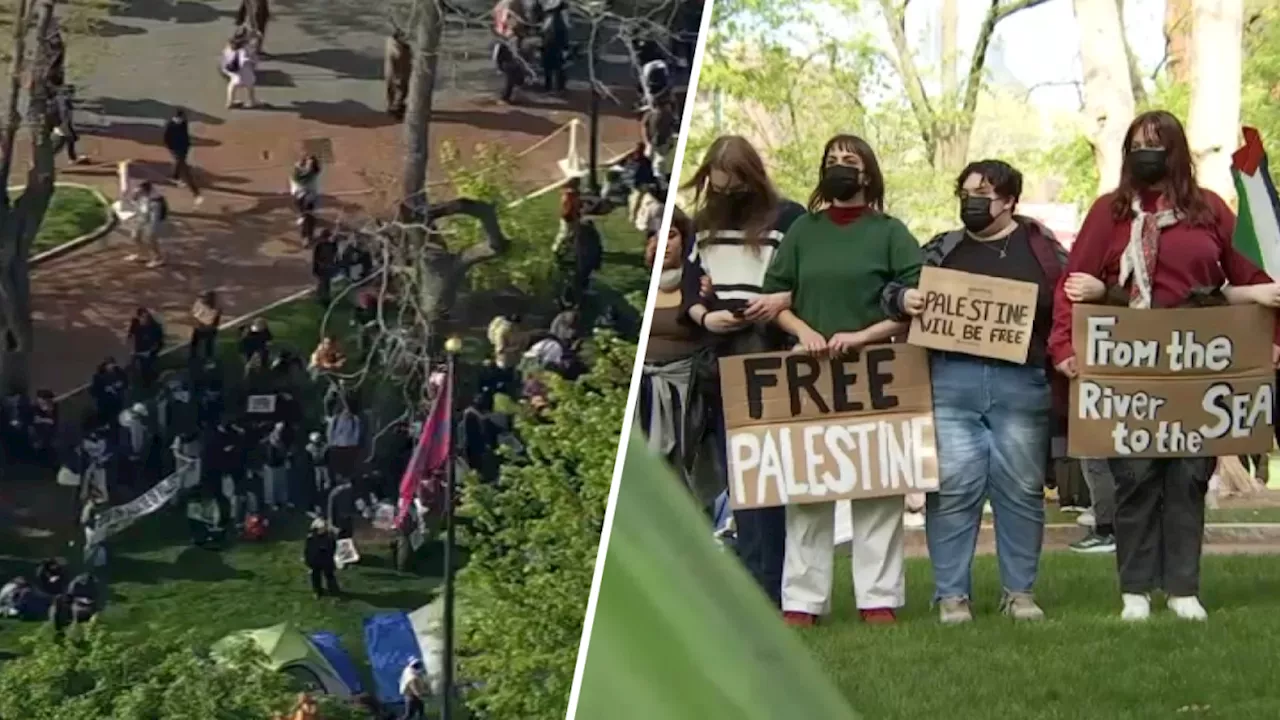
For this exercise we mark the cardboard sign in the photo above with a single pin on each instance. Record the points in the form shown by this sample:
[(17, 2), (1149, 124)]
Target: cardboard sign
[(805, 430), (975, 314), (1194, 382)]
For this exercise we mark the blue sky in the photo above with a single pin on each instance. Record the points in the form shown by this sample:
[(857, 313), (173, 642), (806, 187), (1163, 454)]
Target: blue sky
[(1041, 45)]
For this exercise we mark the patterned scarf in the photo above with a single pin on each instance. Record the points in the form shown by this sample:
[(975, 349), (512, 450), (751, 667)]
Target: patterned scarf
[(1138, 263)]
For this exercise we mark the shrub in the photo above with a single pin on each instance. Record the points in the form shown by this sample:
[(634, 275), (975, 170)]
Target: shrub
[(533, 538)]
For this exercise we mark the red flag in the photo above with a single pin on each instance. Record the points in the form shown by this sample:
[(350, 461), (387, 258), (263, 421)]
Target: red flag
[(432, 452)]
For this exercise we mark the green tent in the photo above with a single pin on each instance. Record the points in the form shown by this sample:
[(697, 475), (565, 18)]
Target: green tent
[(291, 652), (681, 632)]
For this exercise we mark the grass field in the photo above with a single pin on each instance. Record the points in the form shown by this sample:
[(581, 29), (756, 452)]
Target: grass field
[(73, 212), (1083, 662)]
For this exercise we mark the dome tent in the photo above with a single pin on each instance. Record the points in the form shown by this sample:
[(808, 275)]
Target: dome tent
[(291, 652)]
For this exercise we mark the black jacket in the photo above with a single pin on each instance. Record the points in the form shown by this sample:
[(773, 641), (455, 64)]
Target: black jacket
[(147, 339), (177, 137), (318, 550)]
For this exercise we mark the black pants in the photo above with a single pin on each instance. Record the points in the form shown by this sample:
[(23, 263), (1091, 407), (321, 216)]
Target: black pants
[(67, 140), (330, 581), (553, 69), (204, 345), (413, 709), (146, 363), (182, 171), (761, 542), (324, 292), (1160, 523)]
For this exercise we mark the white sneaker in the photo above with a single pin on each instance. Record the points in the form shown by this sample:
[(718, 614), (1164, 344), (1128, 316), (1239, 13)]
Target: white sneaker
[(913, 520), (1188, 607), (132, 257), (1137, 608), (1086, 519)]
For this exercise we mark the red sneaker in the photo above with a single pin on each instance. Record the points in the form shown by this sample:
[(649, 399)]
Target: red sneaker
[(878, 616), (799, 619)]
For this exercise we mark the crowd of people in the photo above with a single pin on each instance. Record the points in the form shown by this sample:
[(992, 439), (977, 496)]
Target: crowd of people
[(751, 271)]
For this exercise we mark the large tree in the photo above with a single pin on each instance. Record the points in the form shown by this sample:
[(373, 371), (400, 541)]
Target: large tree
[(1213, 122), (32, 52), (946, 120), (1108, 96)]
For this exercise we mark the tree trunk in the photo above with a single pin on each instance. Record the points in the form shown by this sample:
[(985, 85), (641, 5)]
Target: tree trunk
[(1213, 123), (417, 120), (20, 220), (1135, 73), (1108, 95), (1178, 22)]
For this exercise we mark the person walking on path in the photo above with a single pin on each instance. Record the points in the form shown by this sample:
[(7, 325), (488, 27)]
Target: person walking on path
[(153, 212), (304, 188), (147, 337), (65, 135), (239, 65), (555, 42), (415, 688), (318, 553), (177, 139), (397, 66)]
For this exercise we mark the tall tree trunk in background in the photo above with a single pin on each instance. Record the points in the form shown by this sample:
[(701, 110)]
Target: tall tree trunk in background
[(1213, 123), (951, 152), (1135, 73), (417, 119), (21, 219), (1178, 22), (1108, 95)]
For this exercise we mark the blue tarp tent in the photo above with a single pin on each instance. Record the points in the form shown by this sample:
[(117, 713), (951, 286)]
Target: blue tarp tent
[(391, 643), (331, 648)]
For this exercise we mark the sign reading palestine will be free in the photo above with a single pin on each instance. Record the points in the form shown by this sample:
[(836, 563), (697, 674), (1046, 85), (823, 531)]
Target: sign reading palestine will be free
[(804, 430)]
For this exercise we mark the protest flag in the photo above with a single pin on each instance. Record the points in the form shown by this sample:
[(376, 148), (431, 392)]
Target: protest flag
[(433, 451), (1257, 234)]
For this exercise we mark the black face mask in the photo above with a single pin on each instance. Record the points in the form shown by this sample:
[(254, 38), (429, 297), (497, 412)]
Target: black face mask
[(1149, 165), (975, 213), (731, 205), (840, 183)]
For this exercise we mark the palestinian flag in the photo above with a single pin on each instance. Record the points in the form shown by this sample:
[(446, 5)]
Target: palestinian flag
[(1258, 220)]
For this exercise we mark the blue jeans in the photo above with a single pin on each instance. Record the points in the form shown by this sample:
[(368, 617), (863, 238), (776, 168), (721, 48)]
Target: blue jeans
[(993, 422)]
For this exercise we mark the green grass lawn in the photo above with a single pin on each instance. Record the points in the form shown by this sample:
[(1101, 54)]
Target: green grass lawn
[(1083, 662), (160, 584), (73, 212), (1222, 515)]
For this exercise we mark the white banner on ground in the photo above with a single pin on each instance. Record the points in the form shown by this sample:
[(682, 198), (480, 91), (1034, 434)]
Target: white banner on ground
[(114, 519)]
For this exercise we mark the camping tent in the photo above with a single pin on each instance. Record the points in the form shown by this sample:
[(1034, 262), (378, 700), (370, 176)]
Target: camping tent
[(390, 642), (428, 628), (291, 652)]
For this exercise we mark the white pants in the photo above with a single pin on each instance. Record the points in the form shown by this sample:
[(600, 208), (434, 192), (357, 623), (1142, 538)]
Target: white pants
[(879, 575)]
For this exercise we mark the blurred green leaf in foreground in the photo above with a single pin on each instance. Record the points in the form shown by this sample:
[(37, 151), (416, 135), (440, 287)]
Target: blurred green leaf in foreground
[(681, 631)]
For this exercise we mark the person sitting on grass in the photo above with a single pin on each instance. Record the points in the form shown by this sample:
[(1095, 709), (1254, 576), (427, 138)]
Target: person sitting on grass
[(13, 596), (327, 358), (51, 576)]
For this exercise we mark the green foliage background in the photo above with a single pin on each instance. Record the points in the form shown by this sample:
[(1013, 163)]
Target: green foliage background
[(533, 539)]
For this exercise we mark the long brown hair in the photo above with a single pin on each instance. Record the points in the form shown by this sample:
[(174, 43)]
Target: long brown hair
[(872, 177), (734, 155), (1179, 184)]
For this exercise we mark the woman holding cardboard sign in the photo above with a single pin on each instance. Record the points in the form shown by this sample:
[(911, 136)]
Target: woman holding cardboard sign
[(739, 221), (835, 262), (992, 416), (1157, 241)]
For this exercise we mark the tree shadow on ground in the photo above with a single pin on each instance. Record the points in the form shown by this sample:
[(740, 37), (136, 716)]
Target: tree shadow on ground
[(340, 61), (183, 11), (346, 113), (108, 29), (506, 119), (144, 133), (149, 109), (395, 599), (268, 78)]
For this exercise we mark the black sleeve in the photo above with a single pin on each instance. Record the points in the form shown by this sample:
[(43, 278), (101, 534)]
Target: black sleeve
[(690, 281), (788, 213)]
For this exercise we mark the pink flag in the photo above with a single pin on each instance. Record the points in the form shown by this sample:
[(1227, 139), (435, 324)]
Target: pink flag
[(432, 452)]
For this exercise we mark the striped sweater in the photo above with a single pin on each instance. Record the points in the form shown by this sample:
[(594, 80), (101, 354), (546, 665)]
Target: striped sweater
[(736, 270)]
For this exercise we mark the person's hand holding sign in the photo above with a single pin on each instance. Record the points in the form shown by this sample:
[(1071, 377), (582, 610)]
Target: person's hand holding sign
[(913, 302), (811, 343), (1083, 288), (847, 342), (1068, 367), (1266, 294)]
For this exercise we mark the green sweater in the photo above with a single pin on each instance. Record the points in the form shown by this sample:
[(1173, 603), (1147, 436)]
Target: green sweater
[(837, 273)]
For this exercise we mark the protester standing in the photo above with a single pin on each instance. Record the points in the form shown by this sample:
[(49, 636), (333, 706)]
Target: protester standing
[(1100, 519), (1157, 238), (239, 65), (555, 42), (416, 690), (397, 67), (739, 221), (993, 418), (318, 551), (836, 262), (153, 213), (304, 189), (206, 316), (324, 266), (64, 131), (147, 337)]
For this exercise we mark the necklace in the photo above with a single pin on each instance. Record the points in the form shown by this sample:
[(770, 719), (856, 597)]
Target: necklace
[(1007, 235)]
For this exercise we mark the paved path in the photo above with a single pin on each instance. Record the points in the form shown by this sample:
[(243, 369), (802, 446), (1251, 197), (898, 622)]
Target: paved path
[(320, 81)]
